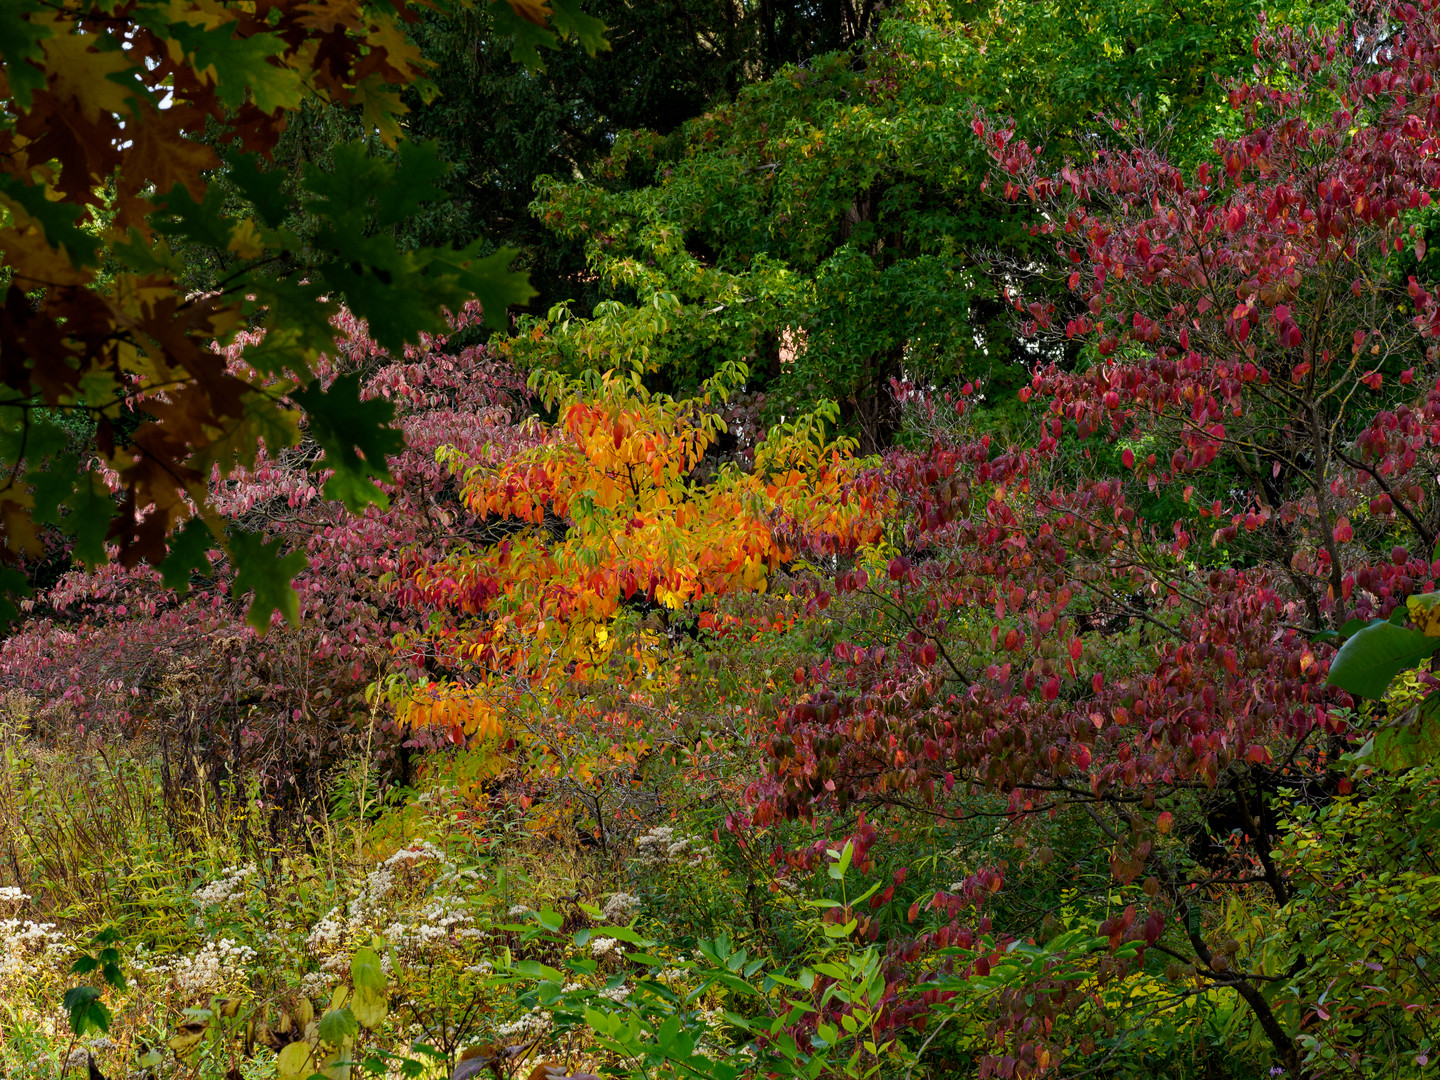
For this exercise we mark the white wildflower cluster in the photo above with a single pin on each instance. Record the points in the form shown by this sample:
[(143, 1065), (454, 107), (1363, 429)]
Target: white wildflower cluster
[(481, 967), (421, 851), (217, 964), (230, 885), (617, 994), (11, 896), (329, 932), (27, 946), (672, 974), (142, 959), (621, 908), (440, 920), (378, 894), (318, 984), (661, 847), (517, 911), (604, 946), (531, 1025)]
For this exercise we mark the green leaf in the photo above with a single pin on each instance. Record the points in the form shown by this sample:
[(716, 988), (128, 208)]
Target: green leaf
[(261, 569), (1412, 742), (385, 192), (88, 522), (356, 437), (235, 64), (619, 933), (50, 487), (529, 39), (203, 222), (487, 277), (190, 548), (365, 969), (571, 21), (667, 1033), (337, 1025), (265, 188), (12, 584), (20, 41), (536, 970), (1373, 656), (58, 220), (87, 1011)]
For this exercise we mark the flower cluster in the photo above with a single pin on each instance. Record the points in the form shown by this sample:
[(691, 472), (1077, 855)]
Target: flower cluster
[(22, 944), (660, 847), (439, 921), (230, 885), (531, 1025), (12, 896), (603, 946), (621, 908), (218, 964)]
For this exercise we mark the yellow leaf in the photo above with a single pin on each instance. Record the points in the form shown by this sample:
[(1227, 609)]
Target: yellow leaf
[(293, 1062), (369, 1007), (187, 1040), (245, 240), (35, 261), (77, 72), (382, 108)]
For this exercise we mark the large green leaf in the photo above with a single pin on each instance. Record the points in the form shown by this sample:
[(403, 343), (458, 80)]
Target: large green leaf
[(337, 1025), (189, 552), (262, 569), (356, 437), (1373, 656)]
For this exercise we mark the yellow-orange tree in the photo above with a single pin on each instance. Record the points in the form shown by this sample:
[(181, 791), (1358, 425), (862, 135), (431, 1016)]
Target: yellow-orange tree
[(617, 527)]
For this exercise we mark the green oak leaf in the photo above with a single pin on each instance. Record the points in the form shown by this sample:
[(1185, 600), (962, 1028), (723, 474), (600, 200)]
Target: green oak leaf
[(91, 507), (529, 39), (386, 192), (190, 548), (572, 21), (203, 222), (235, 65), (261, 569), (356, 437), (20, 41), (487, 277), (265, 188)]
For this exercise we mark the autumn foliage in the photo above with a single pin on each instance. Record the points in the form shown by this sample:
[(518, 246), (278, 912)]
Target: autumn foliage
[(618, 510), (1118, 695)]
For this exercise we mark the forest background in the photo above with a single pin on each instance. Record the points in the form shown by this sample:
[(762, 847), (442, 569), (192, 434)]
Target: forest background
[(729, 540)]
